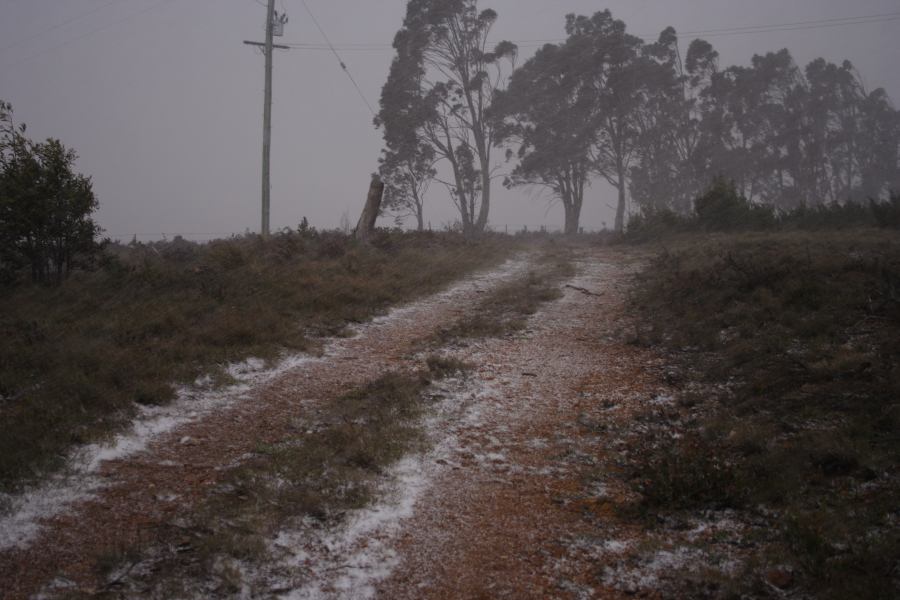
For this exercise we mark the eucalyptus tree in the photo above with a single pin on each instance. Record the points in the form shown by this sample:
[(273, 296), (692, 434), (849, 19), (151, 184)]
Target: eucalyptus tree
[(547, 111), (854, 134), (441, 85), (609, 60), (838, 93), (674, 155), (879, 152), (746, 121), (657, 180)]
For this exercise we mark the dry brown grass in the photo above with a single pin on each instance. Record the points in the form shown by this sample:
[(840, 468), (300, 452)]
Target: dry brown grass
[(796, 338), (76, 360)]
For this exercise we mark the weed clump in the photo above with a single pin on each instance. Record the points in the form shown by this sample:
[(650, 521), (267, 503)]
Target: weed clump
[(442, 367)]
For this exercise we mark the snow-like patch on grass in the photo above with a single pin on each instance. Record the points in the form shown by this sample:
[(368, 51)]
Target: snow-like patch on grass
[(615, 546), (347, 562), (477, 282), (648, 574), (358, 554), (662, 400), (79, 481)]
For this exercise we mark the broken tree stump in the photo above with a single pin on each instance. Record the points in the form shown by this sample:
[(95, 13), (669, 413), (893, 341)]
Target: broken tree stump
[(366, 224)]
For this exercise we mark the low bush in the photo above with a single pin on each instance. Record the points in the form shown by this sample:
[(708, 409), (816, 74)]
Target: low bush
[(721, 208)]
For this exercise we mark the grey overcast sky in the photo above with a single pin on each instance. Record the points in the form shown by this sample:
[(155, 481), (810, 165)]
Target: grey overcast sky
[(163, 102)]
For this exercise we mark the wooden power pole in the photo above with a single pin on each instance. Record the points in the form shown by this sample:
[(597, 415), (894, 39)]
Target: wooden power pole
[(267, 47)]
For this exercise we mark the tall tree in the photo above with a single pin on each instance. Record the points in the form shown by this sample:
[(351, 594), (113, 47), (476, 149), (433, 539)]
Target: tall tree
[(879, 150), (746, 119), (610, 61), (661, 120), (440, 87), (546, 111), (674, 157)]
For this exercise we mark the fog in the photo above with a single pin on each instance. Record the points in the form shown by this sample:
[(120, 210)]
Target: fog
[(163, 102)]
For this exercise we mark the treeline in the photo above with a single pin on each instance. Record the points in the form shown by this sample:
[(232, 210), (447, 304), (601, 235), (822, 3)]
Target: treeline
[(656, 124), (45, 206), (723, 209)]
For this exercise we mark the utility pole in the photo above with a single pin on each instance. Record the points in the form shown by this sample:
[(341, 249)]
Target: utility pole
[(268, 47)]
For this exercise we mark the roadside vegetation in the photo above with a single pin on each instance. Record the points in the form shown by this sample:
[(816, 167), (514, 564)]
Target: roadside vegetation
[(784, 350), (79, 358)]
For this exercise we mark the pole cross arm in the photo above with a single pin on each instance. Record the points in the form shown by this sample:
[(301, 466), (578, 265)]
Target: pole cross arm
[(262, 45)]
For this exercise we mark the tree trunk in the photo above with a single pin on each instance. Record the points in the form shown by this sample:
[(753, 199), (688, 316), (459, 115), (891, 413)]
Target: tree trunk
[(366, 224), (420, 219), (620, 208), (572, 218), (485, 196), (418, 207)]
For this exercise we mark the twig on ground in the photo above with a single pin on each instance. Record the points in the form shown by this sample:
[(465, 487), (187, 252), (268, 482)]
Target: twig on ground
[(583, 290)]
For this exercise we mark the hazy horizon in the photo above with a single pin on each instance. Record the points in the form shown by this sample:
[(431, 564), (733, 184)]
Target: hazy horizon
[(163, 102)]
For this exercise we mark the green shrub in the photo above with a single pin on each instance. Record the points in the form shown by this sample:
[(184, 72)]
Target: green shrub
[(656, 223), (721, 208)]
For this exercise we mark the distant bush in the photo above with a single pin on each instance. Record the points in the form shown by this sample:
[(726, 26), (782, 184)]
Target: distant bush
[(655, 223), (46, 208), (887, 214), (827, 216), (722, 209)]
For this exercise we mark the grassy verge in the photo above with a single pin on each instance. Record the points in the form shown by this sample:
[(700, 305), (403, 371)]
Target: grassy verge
[(792, 422), (76, 359)]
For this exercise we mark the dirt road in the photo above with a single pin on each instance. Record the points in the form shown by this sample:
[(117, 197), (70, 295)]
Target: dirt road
[(509, 499)]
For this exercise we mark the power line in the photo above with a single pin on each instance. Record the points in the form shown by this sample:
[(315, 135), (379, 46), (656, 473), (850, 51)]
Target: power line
[(338, 56), (711, 32), (817, 22), (779, 29)]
